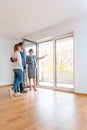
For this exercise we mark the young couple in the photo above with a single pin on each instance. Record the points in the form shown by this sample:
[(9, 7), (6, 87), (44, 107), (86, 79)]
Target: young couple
[(19, 68)]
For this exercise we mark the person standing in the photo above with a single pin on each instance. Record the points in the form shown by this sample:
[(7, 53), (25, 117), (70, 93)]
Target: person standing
[(18, 72), (22, 46), (31, 61)]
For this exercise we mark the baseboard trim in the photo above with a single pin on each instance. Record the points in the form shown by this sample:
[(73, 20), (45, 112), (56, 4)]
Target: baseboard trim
[(7, 85), (56, 89), (77, 93)]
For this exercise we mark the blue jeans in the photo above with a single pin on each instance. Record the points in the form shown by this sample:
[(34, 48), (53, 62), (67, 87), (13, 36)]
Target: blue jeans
[(21, 86), (18, 79)]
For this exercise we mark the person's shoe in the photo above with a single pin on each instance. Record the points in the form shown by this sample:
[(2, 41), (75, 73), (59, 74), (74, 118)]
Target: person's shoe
[(20, 94), (35, 89), (30, 89), (17, 94), (24, 91), (11, 92)]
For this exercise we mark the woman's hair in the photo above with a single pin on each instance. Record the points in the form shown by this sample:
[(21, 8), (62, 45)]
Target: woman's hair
[(30, 50), (16, 47), (21, 43)]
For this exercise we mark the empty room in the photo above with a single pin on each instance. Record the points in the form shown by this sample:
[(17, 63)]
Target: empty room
[(43, 65)]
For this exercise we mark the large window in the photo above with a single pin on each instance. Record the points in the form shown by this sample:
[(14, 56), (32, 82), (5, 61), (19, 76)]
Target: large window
[(46, 64), (56, 70), (64, 62)]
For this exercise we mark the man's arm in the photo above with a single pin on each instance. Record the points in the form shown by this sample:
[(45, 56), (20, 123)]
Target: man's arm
[(23, 60)]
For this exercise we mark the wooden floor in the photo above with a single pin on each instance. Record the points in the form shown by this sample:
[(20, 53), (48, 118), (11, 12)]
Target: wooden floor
[(43, 110)]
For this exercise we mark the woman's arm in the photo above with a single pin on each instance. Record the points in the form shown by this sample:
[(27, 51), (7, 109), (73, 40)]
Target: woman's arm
[(39, 58), (27, 60)]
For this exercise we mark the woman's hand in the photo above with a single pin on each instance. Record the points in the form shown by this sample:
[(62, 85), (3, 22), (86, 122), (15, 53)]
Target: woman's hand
[(45, 55)]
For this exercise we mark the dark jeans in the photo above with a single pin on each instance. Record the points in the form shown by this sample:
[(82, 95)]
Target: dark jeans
[(18, 79), (21, 89), (21, 86)]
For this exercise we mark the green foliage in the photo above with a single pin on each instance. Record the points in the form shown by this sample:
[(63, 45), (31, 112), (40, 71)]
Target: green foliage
[(64, 67)]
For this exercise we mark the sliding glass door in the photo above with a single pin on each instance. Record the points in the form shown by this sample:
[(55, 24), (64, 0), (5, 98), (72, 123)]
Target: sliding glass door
[(46, 64), (64, 63), (56, 70)]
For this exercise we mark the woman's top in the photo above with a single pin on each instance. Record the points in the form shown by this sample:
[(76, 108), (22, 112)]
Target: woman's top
[(31, 60), (18, 63)]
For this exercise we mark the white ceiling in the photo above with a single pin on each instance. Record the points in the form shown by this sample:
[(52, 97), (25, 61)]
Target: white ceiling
[(21, 17)]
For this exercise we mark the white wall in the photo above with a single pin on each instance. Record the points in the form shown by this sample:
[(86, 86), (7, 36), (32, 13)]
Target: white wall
[(6, 74), (79, 27)]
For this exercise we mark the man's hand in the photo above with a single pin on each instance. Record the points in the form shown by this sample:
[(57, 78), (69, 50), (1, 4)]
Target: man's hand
[(24, 71), (13, 59)]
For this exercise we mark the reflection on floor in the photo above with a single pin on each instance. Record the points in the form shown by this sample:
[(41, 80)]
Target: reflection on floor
[(49, 84)]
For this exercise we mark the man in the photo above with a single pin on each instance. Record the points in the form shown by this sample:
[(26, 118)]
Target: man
[(22, 45)]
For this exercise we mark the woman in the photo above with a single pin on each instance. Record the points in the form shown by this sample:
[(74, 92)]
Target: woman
[(18, 72), (31, 61)]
